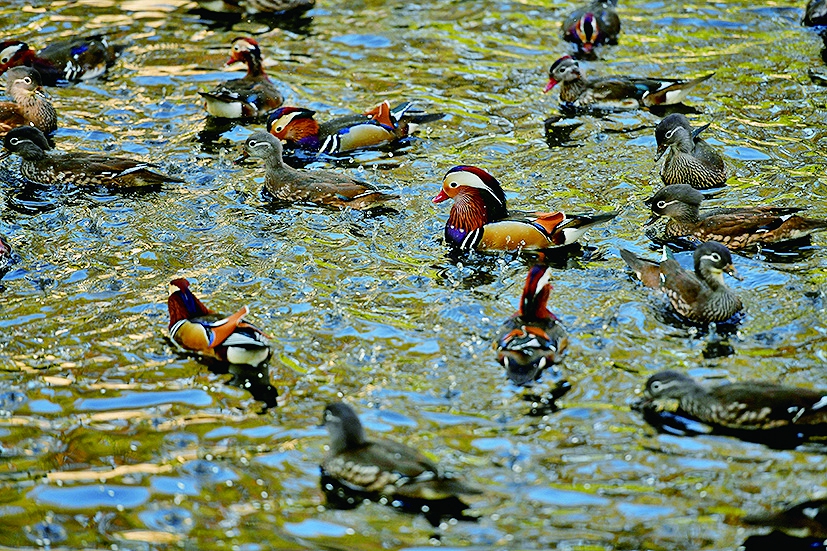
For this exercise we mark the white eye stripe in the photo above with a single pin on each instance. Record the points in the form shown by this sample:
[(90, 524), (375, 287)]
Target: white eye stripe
[(664, 204), (671, 132), (470, 179), (14, 141)]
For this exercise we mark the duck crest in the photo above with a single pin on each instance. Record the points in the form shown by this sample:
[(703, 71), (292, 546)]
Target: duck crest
[(246, 50), (183, 304), (533, 304)]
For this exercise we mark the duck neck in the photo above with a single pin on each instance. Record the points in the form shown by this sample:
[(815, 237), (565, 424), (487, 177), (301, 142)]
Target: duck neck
[(712, 277), (255, 69), (352, 436)]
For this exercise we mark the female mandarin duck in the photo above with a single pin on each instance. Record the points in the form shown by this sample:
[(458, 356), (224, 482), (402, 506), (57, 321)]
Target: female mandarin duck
[(253, 7), (480, 220), (383, 468), (252, 95), (690, 160), (700, 297), (583, 91), (79, 168), (591, 25), (737, 228), (297, 128), (30, 106), (322, 187), (196, 328), (748, 406), (62, 62), (807, 519), (533, 338)]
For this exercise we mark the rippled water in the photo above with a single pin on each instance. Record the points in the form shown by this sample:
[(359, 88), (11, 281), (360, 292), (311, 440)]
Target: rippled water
[(112, 439)]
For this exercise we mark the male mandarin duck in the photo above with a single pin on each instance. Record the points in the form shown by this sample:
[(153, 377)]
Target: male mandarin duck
[(252, 95), (700, 297), (737, 228), (322, 187), (689, 159), (62, 62), (30, 106), (296, 127), (584, 92), (480, 220), (79, 168), (591, 25), (807, 519), (747, 406), (196, 328), (382, 468), (533, 338)]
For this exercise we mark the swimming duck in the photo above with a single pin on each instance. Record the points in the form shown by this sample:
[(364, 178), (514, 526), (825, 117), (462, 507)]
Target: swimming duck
[(254, 7), (29, 105), (533, 338), (737, 228), (689, 159), (745, 406), (702, 296), (480, 220), (584, 92), (382, 467), (296, 127), (807, 519), (196, 328), (62, 62), (79, 168), (592, 25), (309, 186), (252, 95)]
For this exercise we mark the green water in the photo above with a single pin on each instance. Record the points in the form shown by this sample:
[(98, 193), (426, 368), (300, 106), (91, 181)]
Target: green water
[(110, 439)]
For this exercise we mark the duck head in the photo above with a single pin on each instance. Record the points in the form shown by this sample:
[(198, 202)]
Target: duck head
[(565, 69)]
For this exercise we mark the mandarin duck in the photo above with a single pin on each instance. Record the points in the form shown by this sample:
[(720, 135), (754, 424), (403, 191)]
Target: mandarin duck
[(62, 62), (743, 409), (78, 168), (30, 106), (700, 297), (533, 338), (591, 25), (296, 127), (480, 220), (816, 13), (737, 228), (196, 328), (582, 91), (322, 187), (807, 519), (382, 468), (690, 160), (252, 95)]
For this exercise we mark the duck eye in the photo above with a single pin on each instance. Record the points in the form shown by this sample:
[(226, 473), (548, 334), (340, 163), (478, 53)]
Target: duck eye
[(27, 80), (453, 184), (656, 386), (715, 257), (661, 204), (279, 128), (14, 141), (4, 60)]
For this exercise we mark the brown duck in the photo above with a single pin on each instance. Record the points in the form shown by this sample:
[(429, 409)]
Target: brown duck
[(30, 106), (322, 187), (737, 228)]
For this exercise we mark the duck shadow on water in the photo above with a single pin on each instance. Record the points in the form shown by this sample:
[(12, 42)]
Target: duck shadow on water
[(776, 540), (571, 110), (783, 252), (339, 496), (546, 403), (295, 21)]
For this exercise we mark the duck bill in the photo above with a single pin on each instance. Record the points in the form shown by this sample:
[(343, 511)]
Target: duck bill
[(441, 196), (240, 159), (587, 47), (730, 269), (661, 150), (551, 84), (654, 218)]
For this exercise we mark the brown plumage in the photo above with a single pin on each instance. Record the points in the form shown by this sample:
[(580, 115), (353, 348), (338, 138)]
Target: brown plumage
[(700, 296), (322, 187), (689, 159), (737, 228), (29, 105), (78, 168)]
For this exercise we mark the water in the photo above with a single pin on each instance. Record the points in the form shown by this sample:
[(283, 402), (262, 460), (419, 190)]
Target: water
[(112, 439)]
